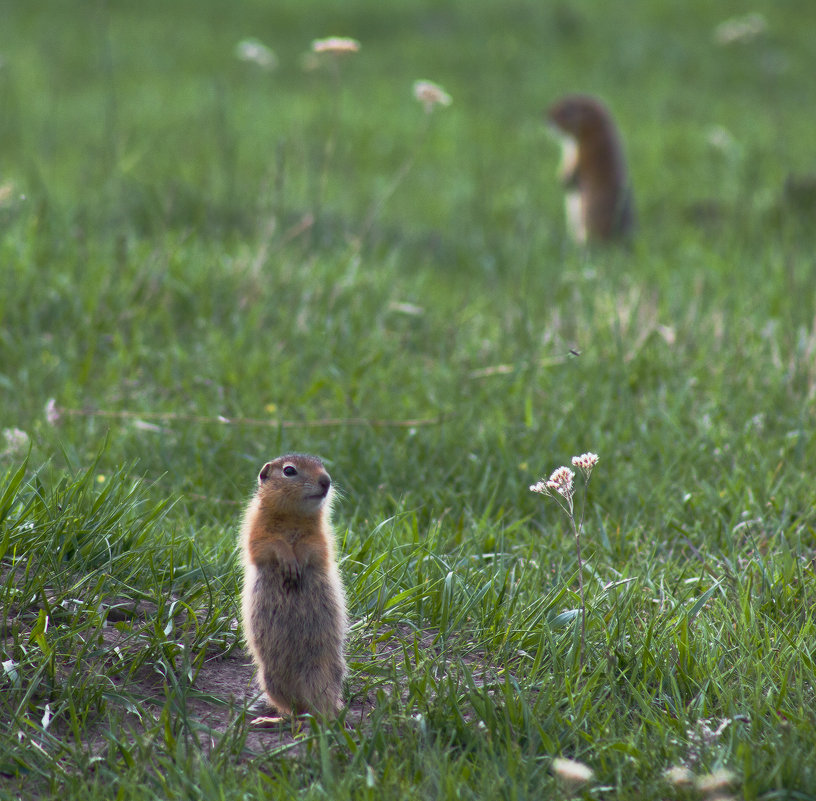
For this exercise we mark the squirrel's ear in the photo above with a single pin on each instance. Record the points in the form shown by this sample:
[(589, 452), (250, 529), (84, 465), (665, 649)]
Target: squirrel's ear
[(266, 471)]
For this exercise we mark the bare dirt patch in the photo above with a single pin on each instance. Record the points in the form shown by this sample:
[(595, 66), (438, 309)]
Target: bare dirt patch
[(222, 697)]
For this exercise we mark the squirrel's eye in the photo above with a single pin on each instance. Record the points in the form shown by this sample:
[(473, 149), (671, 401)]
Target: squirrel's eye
[(289, 470)]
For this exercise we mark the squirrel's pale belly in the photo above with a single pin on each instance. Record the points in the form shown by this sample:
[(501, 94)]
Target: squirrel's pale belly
[(309, 611), (296, 634), (576, 221)]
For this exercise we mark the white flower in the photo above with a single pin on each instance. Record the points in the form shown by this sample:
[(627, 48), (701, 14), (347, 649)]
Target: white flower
[(52, 412), (431, 94), (740, 29), (571, 772), (336, 45), (6, 192), (16, 440), (561, 481), (679, 776), (256, 52), (720, 138), (715, 782), (585, 462)]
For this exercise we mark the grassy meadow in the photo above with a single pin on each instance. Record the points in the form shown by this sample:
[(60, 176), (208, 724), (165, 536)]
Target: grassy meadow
[(207, 261)]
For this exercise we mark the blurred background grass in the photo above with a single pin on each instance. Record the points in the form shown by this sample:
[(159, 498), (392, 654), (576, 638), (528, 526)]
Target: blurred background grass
[(178, 237)]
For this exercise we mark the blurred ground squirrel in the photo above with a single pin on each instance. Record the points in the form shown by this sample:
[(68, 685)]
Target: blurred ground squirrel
[(593, 170), (294, 608)]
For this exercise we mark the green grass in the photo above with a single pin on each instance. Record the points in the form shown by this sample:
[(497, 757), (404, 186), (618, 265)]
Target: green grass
[(186, 271)]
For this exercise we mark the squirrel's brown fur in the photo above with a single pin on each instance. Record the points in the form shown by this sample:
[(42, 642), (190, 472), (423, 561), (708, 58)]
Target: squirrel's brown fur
[(294, 609), (593, 170)]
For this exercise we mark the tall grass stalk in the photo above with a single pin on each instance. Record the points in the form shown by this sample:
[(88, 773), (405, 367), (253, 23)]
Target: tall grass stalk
[(430, 95)]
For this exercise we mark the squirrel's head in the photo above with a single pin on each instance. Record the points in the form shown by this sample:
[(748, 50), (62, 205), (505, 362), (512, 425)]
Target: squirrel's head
[(297, 483), (578, 115)]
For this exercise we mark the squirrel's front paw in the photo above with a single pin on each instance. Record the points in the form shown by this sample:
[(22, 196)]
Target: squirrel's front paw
[(291, 572)]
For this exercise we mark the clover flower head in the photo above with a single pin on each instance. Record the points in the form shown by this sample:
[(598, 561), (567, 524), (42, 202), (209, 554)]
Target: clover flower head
[(716, 782), (256, 52), (430, 95), (571, 772), (336, 45), (679, 776)]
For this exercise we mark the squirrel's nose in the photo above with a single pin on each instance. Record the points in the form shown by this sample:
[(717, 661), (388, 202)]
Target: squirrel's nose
[(325, 482)]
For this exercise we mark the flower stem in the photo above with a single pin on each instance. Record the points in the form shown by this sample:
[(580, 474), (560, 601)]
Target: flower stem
[(577, 531)]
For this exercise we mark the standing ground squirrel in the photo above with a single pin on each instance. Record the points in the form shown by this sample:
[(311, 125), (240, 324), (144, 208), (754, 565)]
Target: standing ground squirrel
[(294, 607), (593, 169)]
